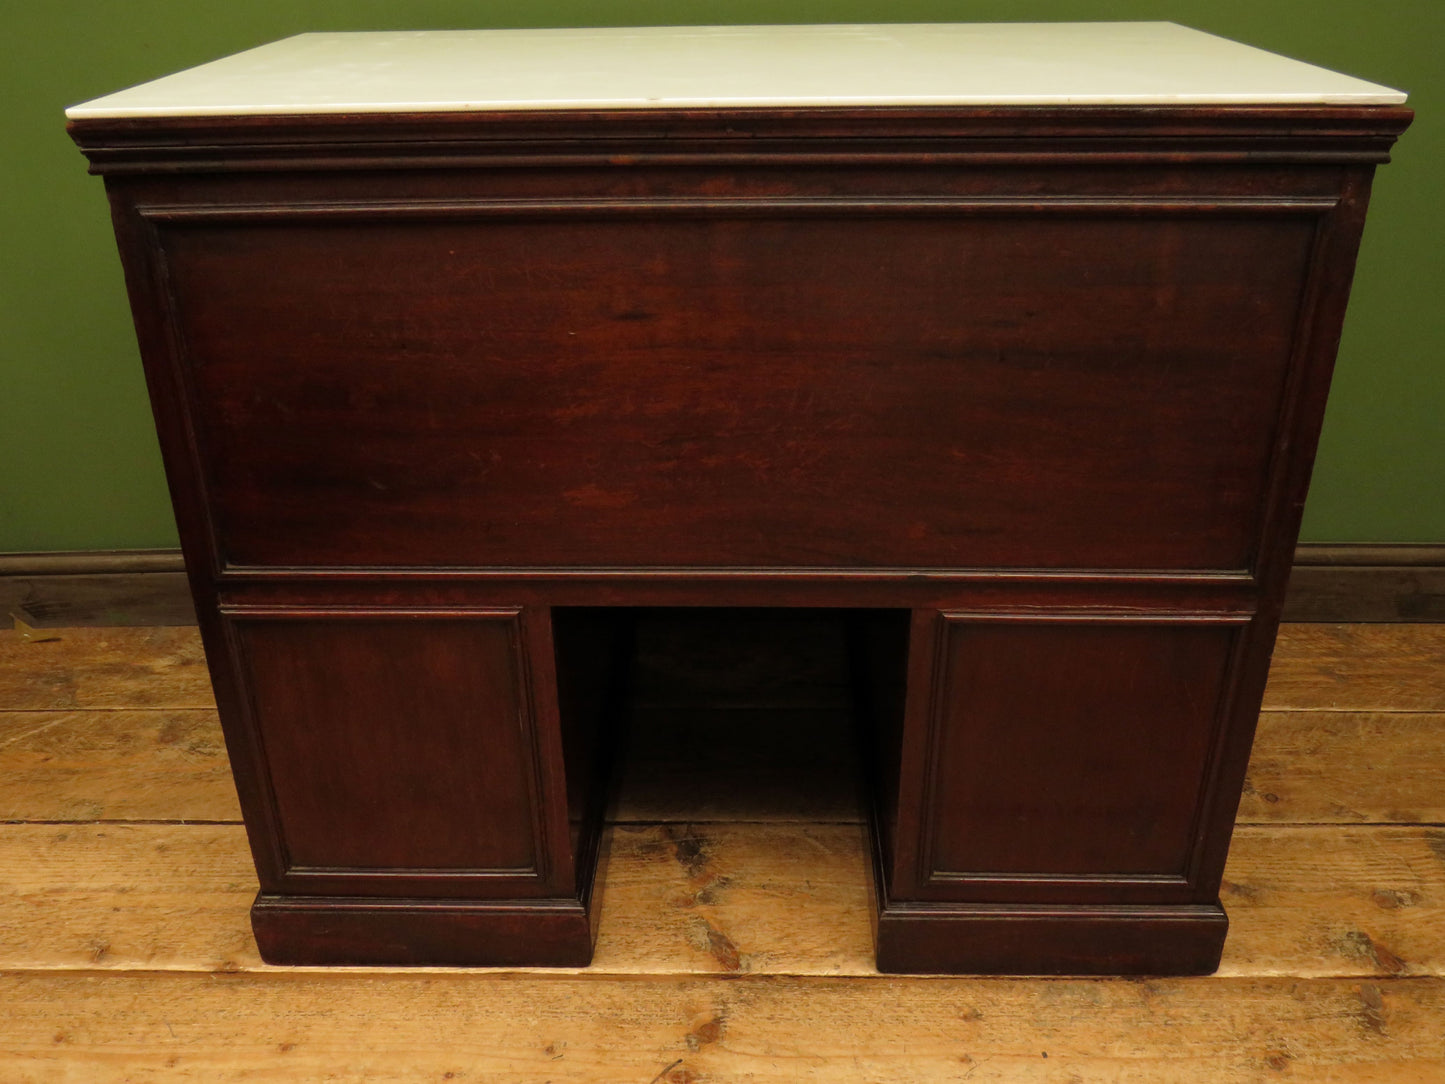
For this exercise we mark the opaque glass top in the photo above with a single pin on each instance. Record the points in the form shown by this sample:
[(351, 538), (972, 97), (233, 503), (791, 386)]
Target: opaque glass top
[(739, 66)]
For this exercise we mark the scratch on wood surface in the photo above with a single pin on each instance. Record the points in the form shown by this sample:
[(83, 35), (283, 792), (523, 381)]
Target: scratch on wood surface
[(13, 738), (975, 1066)]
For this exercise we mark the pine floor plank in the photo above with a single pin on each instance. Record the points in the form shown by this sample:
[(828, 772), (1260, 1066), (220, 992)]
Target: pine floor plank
[(167, 764), (1341, 667), (718, 899), (530, 1029), (736, 899), (66, 669), (1321, 667), (170, 764), (1335, 900), (727, 952), (1358, 668), (710, 899), (1346, 767), (1359, 766), (126, 896)]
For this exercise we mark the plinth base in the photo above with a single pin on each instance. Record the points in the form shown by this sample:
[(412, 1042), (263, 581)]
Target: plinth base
[(320, 931), (1011, 939)]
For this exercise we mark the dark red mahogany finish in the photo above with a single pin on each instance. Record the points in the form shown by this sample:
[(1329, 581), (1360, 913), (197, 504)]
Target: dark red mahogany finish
[(1036, 391)]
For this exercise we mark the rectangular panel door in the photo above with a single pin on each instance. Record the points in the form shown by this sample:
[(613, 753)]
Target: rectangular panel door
[(400, 751), (1070, 756)]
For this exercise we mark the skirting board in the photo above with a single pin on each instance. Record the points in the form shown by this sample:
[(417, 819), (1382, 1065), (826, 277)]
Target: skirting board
[(96, 587), (148, 587), (1366, 583)]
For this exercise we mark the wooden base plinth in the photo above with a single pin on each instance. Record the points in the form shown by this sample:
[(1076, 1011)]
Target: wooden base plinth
[(322, 931), (1012, 939)]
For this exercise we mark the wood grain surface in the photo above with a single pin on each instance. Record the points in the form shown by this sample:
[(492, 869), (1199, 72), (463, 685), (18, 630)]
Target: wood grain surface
[(1322, 667), (147, 764), (1308, 767), (1347, 767), (735, 950), (1312, 762), (1358, 668), (535, 392), (787, 899), (65, 669), (680, 1030)]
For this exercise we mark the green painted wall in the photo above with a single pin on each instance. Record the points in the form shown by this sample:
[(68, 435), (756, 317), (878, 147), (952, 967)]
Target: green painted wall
[(79, 467)]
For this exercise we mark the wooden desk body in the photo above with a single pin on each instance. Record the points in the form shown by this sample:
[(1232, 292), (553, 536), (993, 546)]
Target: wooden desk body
[(1035, 390)]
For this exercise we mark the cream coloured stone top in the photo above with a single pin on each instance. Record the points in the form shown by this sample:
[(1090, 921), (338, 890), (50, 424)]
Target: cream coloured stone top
[(739, 66)]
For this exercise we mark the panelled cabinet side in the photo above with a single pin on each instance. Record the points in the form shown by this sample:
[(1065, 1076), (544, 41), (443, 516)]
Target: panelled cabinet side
[(351, 869), (151, 308), (427, 384)]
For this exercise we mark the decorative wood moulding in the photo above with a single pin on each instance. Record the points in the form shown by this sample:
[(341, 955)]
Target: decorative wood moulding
[(795, 207), (932, 137), (1331, 582)]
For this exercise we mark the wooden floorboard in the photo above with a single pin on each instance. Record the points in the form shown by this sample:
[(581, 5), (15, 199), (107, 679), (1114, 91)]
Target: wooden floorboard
[(66, 669), (308, 1027), (126, 896), (1332, 900), (170, 764), (735, 941), (717, 899), (1316, 667), (153, 764), (1358, 668), (1346, 767)]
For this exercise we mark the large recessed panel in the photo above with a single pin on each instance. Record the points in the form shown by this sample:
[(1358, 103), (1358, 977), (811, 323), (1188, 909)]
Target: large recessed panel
[(1067, 390), (1073, 749), (394, 744)]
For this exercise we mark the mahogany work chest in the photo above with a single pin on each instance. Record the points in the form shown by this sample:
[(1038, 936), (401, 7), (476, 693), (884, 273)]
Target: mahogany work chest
[(1009, 342)]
